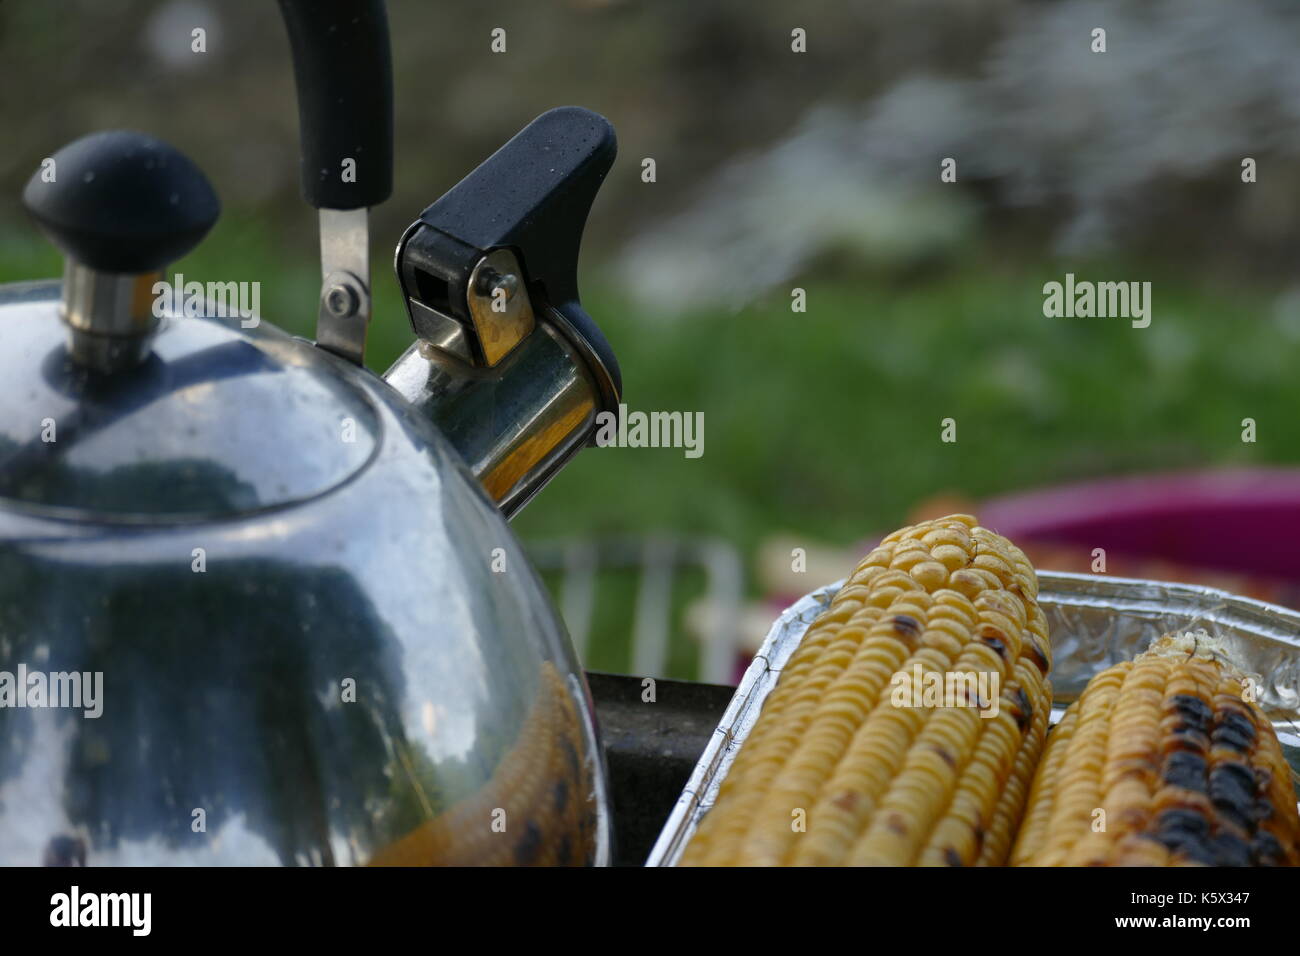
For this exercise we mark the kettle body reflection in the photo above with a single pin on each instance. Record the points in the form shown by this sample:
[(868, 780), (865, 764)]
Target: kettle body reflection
[(259, 605)]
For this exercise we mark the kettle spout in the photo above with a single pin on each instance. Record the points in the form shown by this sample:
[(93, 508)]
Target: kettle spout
[(515, 425), (507, 363)]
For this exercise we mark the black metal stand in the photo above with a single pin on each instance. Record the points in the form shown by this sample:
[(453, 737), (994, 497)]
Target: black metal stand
[(651, 748)]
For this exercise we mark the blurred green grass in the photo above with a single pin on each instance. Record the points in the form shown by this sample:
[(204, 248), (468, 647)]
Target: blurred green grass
[(827, 423)]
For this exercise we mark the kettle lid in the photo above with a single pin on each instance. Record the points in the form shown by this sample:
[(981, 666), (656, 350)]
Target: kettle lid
[(218, 420), (133, 399)]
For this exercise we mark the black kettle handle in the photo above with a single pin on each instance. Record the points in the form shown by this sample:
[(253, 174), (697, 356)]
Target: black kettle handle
[(343, 69)]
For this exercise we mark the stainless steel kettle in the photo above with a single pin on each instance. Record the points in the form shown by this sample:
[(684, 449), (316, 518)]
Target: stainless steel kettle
[(258, 605)]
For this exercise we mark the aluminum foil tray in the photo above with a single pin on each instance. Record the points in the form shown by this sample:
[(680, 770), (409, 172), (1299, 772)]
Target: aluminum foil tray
[(1094, 621)]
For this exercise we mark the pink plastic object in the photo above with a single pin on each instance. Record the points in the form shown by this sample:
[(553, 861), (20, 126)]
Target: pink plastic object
[(1244, 521)]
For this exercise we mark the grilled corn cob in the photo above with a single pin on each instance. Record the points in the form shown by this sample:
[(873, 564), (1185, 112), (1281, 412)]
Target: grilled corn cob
[(1161, 762), (845, 766)]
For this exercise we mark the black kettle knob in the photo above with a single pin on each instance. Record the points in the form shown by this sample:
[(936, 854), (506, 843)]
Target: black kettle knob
[(120, 201)]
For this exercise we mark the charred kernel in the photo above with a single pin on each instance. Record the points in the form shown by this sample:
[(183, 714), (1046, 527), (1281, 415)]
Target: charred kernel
[(529, 846), (1186, 833), (1180, 820), (1184, 769), (1230, 850), (947, 757), (1232, 791), (1197, 851), (951, 857), (906, 624), (1036, 654), (1234, 731), (1238, 775), (1150, 838), (1265, 850), (1024, 708), (1194, 711)]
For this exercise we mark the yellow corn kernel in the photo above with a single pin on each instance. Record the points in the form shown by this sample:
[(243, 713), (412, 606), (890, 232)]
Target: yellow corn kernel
[(847, 763)]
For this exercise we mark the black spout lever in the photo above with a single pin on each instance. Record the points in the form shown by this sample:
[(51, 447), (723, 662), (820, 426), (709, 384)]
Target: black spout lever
[(531, 197)]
